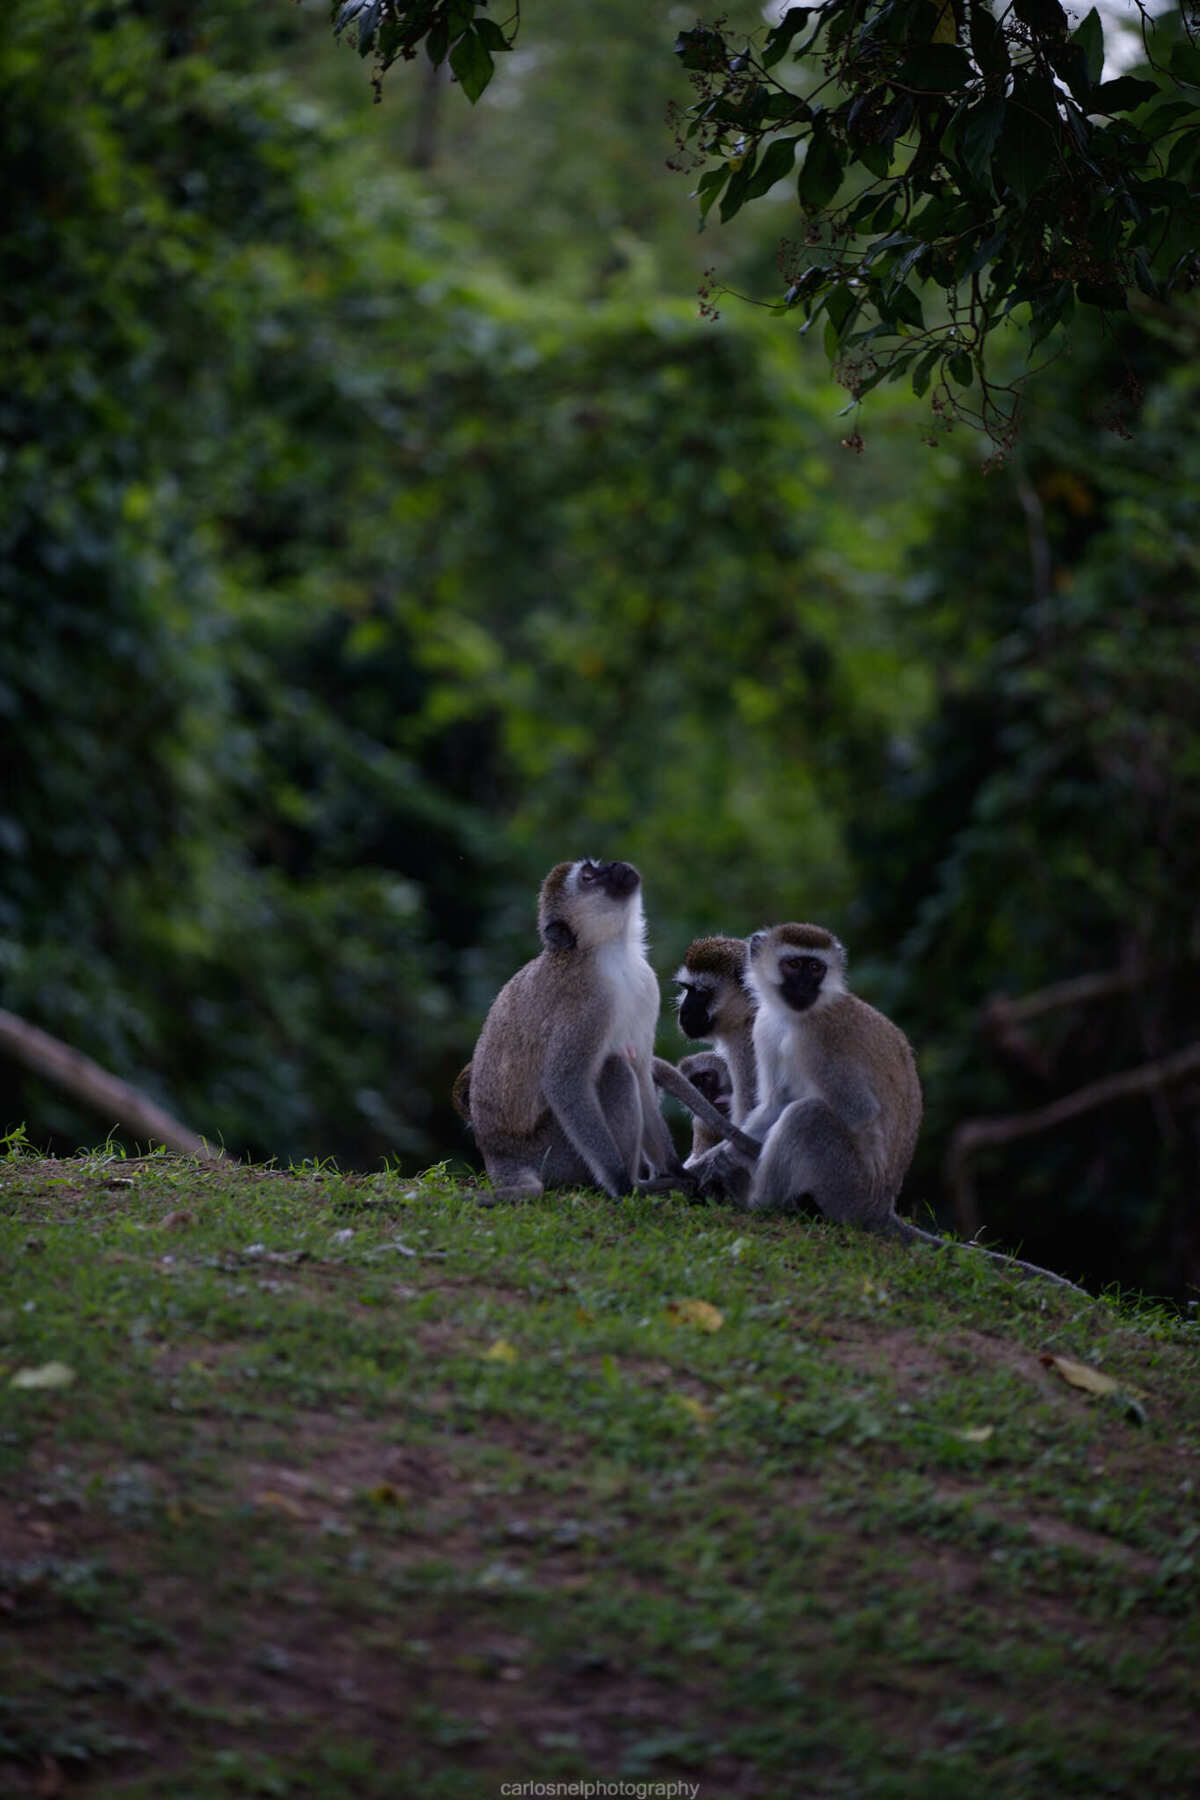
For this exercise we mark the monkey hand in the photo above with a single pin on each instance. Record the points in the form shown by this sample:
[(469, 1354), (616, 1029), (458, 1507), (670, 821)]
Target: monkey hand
[(721, 1174)]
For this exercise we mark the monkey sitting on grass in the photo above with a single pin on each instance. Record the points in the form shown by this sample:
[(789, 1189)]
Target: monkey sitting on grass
[(839, 1099), (560, 1090)]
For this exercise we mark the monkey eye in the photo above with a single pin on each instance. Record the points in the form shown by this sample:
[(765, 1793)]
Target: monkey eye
[(801, 965)]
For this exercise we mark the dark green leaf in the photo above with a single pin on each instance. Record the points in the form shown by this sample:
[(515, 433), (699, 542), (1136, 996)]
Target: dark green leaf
[(1183, 153), (438, 43), (472, 65), (841, 306), (1070, 64), (780, 38), (923, 371), (1045, 17), (1089, 36), (1108, 295), (905, 307), (875, 158), (777, 161), (701, 49), (978, 133), (1163, 118), (821, 174), (739, 182), (1145, 279), (1024, 154), (988, 44), (861, 211), (709, 186), (958, 365), (1123, 94), (936, 69), (350, 10), (1050, 311), (986, 252), (1185, 63), (492, 36), (368, 20)]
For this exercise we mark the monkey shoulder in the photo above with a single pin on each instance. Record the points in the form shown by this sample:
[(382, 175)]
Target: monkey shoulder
[(860, 1063)]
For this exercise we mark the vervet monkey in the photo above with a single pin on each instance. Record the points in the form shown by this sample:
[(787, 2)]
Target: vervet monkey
[(560, 1089), (839, 1106), (715, 1003), (708, 1072)]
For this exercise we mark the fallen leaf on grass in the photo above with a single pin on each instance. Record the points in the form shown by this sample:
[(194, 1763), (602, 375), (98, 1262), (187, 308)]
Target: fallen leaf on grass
[(501, 1351), (1092, 1381), (280, 1503), (696, 1410), (174, 1221), (384, 1493), (976, 1434), (1079, 1374), (49, 1375), (695, 1312)]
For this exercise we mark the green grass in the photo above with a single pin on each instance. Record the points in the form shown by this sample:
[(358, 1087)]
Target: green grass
[(361, 1489)]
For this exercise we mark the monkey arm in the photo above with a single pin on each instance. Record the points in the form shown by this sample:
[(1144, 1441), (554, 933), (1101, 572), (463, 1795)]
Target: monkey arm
[(669, 1078), (851, 1096), (758, 1123)]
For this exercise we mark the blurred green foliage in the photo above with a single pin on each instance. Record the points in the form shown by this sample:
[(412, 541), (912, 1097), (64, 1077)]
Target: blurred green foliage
[(343, 591), (362, 557), (1050, 824)]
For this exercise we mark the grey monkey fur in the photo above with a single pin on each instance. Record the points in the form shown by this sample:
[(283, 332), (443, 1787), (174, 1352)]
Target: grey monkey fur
[(839, 1107), (559, 1091)]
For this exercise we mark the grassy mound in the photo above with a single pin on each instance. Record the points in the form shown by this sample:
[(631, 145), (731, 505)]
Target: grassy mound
[(317, 1484)]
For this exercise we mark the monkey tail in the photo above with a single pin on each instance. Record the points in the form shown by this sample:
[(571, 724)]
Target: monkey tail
[(667, 1076), (460, 1094), (907, 1233)]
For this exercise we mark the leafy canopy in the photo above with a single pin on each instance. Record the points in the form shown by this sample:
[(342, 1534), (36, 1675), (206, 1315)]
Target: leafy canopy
[(956, 166)]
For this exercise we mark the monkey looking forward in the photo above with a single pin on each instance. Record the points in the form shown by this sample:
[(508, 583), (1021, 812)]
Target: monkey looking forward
[(715, 1003), (561, 1083), (839, 1106)]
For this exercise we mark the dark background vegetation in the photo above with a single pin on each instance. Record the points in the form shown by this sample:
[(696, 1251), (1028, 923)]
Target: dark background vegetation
[(381, 524)]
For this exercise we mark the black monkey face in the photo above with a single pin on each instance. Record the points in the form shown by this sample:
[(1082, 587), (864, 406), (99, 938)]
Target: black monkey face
[(695, 1012), (800, 979), (616, 879), (709, 1083)]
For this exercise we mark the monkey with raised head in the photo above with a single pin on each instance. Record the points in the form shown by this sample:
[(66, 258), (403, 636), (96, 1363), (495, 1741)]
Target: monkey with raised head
[(560, 1089), (715, 1003), (839, 1098)]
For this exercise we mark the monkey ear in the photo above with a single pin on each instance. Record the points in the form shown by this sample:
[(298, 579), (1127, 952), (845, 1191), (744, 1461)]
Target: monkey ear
[(557, 935)]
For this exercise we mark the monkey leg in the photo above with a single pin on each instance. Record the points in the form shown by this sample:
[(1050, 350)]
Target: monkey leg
[(513, 1175), (809, 1153), (608, 1124)]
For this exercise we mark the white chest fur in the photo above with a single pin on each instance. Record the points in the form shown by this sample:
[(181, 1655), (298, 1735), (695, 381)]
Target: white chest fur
[(780, 1055), (629, 985)]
